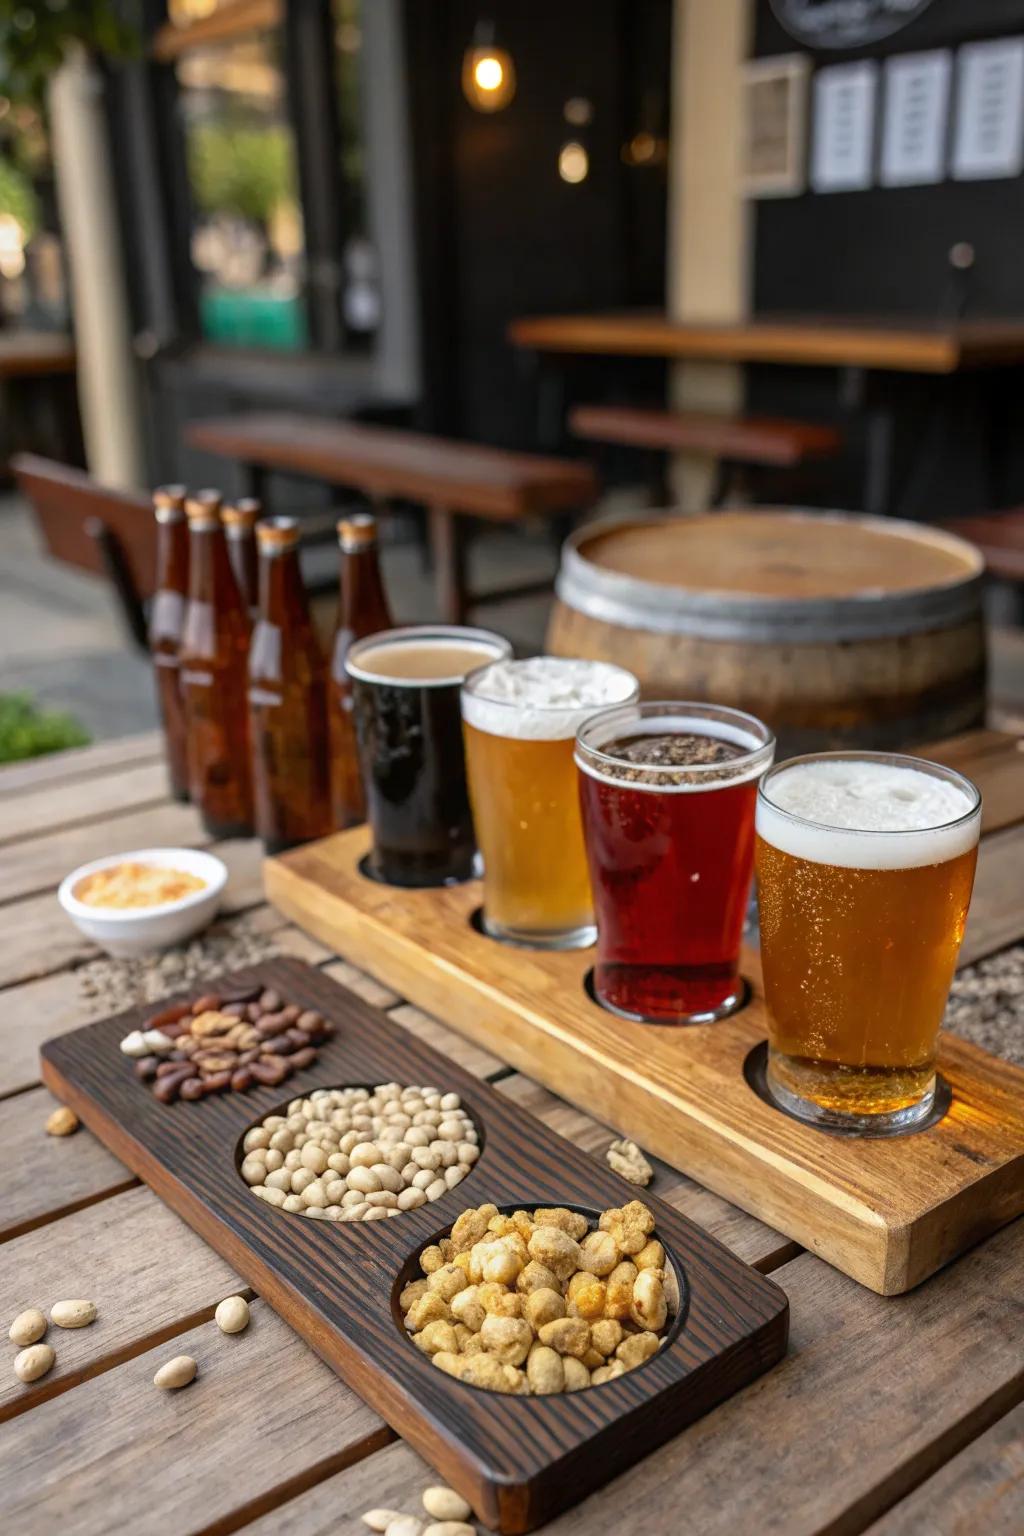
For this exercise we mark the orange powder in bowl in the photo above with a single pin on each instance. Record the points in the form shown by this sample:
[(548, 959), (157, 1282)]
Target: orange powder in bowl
[(136, 885)]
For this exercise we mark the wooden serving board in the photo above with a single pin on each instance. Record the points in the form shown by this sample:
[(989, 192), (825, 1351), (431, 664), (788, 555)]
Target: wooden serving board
[(888, 1212), (519, 1461)]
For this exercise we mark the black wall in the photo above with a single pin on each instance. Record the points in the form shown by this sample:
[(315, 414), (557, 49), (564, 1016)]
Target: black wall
[(500, 234), (885, 252)]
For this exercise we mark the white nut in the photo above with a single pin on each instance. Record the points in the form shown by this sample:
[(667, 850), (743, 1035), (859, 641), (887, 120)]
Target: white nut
[(436, 1190), (405, 1525), (445, 1504), (175, 1373), (27, 1328), (73, 1314), (232, 1314), (134, 1044), (380, 1519), (157, 1043), (33, 1362)]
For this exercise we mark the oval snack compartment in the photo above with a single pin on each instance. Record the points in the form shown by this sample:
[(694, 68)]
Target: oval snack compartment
[(335, 1282)]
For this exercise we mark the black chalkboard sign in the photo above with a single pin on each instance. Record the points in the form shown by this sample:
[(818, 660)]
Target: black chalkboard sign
[(845, 23)]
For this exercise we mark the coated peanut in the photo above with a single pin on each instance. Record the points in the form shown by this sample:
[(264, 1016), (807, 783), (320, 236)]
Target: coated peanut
[(73, 1314), (27, 1328), (33, 1362), (176, 1373), (232, 1314)]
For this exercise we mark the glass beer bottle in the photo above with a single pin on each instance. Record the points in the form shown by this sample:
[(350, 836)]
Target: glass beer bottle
[(166, 622), (214, 677), (240, 519), (362, 610), (287, 699)]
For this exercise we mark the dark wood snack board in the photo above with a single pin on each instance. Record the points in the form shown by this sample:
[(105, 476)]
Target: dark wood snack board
[(887, 1212), (519, 1461)]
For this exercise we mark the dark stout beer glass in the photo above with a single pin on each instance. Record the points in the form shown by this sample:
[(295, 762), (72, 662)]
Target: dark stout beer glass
[(405, 688), (668, 793)]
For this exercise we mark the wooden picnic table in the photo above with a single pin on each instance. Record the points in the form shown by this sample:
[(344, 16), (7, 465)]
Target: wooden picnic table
[(893, 1416)]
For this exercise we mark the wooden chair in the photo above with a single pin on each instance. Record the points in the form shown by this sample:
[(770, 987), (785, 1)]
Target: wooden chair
[(87, 525), (758, 442), (454, 481)]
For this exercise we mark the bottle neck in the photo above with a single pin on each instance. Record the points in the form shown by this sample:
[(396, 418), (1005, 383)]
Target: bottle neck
[(282, 590), (364, 605), (211, 579), (172, 562)]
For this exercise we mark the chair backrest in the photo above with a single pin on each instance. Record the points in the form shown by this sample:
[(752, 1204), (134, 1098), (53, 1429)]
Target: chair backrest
[(65, 501)]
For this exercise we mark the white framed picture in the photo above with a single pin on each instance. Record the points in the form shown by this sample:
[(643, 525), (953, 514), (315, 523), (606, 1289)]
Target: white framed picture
[(775, 126), (916, 121), (989, 138), (842, 158)]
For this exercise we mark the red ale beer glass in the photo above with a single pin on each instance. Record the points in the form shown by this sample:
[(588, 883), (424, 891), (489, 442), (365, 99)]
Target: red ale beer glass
[(668, 793)]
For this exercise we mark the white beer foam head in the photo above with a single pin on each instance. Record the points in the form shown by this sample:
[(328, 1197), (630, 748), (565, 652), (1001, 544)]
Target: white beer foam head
[(546, 698), (862, 814)]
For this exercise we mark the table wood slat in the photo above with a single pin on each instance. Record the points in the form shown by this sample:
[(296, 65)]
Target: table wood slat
[(980, 1490), (148, 1273), (263, 1420), (996, 917), (98, 798), (996, 760), (48, 1175), (81, 763), (755, 1242), (474, 1058), (42, 862), (875, 1394)]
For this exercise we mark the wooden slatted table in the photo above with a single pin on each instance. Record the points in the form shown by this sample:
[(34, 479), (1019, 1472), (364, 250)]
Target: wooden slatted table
[(888, 1416)]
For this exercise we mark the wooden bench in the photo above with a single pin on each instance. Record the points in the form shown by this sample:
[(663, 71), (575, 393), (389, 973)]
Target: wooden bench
[(753, 441), (453, 480), (108, 532), (1000, 538)]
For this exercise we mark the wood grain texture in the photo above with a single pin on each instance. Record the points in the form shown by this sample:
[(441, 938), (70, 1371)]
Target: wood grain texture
[(496, 483), (996, 917), (149, 1275), (995, 762), (47, 1176), (66, 805), (814, 341), (81, 763), (741, 439), (263, 1419), (981, 1489), (755, 1243), (42, 862), (873, 1396), (335, 1283), (470, 1055), (887, 1212), (65, 500)]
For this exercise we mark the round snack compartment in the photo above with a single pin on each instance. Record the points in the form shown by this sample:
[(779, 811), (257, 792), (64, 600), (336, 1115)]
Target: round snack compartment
[(677, 1295), (475, 1128)]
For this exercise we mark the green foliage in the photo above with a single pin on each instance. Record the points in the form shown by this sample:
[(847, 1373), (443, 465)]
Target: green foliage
[(36, 34), (17, 197), (243, 170), (27, 731)]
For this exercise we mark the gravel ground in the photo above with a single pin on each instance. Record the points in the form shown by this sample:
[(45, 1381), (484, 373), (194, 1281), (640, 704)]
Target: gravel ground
[(986, 1004)]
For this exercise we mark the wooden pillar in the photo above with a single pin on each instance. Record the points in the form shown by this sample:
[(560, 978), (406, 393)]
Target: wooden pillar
[(709, 233), (108, 388)]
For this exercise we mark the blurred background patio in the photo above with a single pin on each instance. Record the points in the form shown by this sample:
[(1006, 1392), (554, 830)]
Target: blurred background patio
[(396, 212)]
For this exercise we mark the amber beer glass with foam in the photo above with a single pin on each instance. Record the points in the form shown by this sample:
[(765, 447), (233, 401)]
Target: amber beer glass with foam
[(865, 866), (520, 720)]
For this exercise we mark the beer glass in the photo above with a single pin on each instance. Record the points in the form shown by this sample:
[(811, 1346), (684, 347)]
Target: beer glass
[(405, 696), (668, 793), (865, 866), (520, 720)]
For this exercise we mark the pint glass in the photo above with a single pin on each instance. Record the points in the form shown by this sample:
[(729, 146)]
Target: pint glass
[(520, 720), (865, 866), (405, 695), (668, 793)]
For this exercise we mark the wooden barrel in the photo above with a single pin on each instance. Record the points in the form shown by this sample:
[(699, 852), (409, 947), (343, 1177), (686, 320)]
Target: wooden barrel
[(836, 629)]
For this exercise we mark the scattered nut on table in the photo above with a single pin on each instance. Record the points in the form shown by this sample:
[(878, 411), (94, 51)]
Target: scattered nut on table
[(450, 1528), (626, 1159), (28, 1327), (176, 1373), (535, 1303), (232, 1314), (33, 1362), (63, 1122), (405, 1525), (73, 1314), (349, 1154), (380, 1519), (443, 1503)]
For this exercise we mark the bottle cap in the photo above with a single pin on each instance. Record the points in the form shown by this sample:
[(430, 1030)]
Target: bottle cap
[(358, 530), (204, 506), (277, 533), (170, 498), (241, 516)]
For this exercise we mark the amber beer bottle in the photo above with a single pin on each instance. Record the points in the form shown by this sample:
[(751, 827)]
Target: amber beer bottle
[(240, 519), (287, 699), (166, 623), (362, 610), (214, 677)]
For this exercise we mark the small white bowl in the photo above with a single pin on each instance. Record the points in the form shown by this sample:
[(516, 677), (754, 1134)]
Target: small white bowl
[(125, 932)]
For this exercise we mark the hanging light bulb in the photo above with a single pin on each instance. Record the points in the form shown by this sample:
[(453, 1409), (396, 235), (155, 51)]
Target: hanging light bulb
[(488, 73)]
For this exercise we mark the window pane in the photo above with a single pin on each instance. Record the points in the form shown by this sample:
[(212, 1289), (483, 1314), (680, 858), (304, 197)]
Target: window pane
[(33, 290), (360, 286), (247, 237)]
